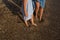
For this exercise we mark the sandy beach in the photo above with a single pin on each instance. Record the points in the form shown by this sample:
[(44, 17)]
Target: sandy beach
[(12, 26)]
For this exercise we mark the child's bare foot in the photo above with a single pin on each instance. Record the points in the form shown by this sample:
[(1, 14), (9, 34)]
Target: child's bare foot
[(41, 20)]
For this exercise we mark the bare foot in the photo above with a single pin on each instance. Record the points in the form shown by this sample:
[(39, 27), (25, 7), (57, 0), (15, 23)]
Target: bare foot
[(34, 24), (41, 20), (26, 23)]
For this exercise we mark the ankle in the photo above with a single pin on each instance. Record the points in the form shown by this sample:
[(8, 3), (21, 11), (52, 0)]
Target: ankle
[(26, 23)]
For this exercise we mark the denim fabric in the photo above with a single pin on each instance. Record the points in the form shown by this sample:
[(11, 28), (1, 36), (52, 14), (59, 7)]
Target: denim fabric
[(42, 3)]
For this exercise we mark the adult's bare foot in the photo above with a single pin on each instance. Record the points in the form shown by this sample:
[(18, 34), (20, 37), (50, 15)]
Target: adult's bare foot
[(34, 24)]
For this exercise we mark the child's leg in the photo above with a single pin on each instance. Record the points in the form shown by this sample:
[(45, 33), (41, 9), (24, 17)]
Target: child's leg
[(26, 23), (37, 8), (32, 21), (41, 13), (42, 4)]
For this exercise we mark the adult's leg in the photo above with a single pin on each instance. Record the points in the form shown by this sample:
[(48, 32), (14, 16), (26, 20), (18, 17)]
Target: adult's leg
[(26, 23), (32, 21)]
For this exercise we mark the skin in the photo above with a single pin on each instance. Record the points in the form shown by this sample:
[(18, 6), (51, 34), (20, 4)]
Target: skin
[(26, 13), (25, 3), (40, 9)]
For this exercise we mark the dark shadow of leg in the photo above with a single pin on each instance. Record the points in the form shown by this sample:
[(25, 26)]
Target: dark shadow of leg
[(13, 8), (19, 2)]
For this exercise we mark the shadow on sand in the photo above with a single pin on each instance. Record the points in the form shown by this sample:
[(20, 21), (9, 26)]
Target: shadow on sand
[(13, 8)]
